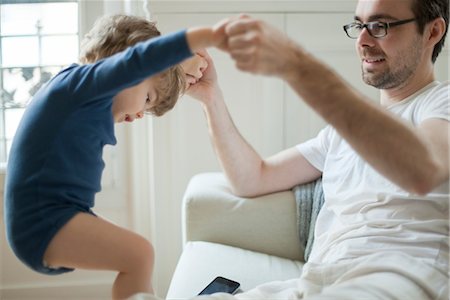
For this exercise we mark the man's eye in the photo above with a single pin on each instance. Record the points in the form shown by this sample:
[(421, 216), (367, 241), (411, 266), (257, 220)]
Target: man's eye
[(377, 25)]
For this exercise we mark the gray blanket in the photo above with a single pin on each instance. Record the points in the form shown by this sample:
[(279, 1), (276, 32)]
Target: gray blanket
[(309, 198)]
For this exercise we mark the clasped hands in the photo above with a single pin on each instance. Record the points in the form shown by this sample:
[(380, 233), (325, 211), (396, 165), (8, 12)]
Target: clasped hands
[(254, 45)]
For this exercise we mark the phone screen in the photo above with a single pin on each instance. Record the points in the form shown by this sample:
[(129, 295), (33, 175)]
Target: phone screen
[(220, 285)]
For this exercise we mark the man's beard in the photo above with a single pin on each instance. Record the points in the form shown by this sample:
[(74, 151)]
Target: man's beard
[(389, 78)]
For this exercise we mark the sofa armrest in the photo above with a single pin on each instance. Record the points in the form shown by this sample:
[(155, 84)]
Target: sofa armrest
[(264, 224)]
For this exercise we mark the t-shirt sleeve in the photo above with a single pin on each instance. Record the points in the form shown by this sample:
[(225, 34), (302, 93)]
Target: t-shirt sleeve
[(315, 150), (437, 104)]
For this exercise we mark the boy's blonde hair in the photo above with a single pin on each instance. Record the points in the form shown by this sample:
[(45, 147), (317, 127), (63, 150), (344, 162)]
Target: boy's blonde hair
[(113, 34)]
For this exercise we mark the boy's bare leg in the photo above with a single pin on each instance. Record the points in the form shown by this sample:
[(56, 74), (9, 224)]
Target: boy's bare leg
[(89, 242)]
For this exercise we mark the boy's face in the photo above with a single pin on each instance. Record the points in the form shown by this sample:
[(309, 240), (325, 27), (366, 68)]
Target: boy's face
[(194, 68), (131, 103)]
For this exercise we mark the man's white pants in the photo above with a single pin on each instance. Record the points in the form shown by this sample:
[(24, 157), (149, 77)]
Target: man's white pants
[(383, 276)]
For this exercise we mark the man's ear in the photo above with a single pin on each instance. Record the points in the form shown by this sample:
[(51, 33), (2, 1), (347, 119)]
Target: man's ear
[(435, 30)]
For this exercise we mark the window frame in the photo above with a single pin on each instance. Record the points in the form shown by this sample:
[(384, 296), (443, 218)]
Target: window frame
[(40, 66)]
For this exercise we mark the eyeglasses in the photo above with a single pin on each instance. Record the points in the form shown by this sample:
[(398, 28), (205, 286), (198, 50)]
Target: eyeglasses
[(375, 29)]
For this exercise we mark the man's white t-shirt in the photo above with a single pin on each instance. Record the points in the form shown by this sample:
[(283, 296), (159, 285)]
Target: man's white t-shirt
[(364, 212)]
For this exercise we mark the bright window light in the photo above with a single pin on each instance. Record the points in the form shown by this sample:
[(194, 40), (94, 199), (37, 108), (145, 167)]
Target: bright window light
[(37, 40)]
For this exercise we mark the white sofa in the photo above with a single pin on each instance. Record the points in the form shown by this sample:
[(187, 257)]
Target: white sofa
[(249, 240)]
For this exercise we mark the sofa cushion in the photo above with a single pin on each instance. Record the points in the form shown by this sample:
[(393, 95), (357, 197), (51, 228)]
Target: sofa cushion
[(201, 262)]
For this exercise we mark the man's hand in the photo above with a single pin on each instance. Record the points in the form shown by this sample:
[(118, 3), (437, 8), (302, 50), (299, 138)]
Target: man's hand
[(260, 48)]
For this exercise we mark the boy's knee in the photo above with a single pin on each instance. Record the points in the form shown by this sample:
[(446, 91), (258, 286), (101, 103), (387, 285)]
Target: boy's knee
[(143, 253)]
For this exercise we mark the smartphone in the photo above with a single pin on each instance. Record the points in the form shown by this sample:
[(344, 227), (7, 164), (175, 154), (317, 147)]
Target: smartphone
[(221, 285)]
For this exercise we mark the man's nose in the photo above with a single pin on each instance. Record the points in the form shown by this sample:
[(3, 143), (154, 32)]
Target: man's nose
[(365, 39)]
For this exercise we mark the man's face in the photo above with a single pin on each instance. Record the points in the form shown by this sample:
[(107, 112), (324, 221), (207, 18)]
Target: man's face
[(390, 61)]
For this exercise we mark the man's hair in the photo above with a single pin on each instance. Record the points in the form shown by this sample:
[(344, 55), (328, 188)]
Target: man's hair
[(426, 11), (115, 33)]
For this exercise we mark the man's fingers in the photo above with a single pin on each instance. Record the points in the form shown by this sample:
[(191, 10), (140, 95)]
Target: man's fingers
[(246, 66), (243, 58), (247, 40)]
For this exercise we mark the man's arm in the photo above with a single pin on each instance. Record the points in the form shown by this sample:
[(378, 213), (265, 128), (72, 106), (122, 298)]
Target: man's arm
[(248, 173), (407, 156), (416, 160)]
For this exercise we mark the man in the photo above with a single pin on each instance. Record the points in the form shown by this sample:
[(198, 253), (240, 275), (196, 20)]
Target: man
[(383, 230)]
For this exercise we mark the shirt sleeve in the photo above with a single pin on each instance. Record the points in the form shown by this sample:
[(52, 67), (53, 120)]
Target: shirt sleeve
[(315, 150), (437, 104), (109, 76)]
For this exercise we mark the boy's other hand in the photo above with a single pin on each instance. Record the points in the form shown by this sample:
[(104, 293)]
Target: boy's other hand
[(207, 88)]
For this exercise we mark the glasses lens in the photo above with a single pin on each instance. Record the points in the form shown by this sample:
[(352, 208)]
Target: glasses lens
[(377, 29), (353, 30)]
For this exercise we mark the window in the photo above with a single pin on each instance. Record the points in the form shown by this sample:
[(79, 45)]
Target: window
[(37, 39)]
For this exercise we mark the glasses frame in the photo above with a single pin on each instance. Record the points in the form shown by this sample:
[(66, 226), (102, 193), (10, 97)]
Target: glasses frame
[(369, 27)]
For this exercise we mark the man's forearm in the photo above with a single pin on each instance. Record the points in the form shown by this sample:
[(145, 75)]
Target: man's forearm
[(238, 159), (391, 146)]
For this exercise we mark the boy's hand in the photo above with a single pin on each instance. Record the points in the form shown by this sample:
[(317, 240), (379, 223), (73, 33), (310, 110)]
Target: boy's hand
[(207, 88), (205, 36), (219, 34)]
